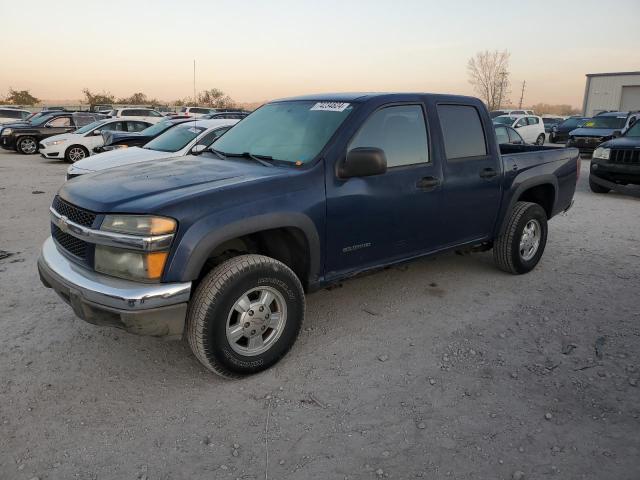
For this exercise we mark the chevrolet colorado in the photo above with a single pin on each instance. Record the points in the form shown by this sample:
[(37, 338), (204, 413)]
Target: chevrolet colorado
[(304, 192)]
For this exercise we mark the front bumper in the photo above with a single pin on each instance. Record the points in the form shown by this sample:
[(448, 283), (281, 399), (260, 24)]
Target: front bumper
[(51, 152), (615, 172), (8, 142), (145, 309)]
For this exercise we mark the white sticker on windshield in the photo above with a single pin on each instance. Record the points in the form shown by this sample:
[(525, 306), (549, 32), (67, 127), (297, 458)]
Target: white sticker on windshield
[(330, 106)]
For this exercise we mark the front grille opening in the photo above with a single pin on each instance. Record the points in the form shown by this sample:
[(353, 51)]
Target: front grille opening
[(73, 213), (71, 244), (628, 157)]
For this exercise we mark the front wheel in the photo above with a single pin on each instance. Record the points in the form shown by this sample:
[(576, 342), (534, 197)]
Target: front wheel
[(27, 145), (597, 188), (519, 249), (540, 139), (245, 315), (76, 153)]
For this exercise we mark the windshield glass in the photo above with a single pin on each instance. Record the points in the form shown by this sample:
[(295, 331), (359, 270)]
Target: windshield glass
[(573, 122), (175, 139), (292, 131), (156, 129), (504, 120), (605, 122), (91, 126), (634, 131), (551, 121)]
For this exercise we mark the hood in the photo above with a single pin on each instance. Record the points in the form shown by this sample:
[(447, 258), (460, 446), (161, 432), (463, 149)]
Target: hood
[(150, 186), (592, 132), (622, 142), (62, 136), (117, 158)]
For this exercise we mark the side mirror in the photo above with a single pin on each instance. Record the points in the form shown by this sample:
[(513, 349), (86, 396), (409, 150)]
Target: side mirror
[(617, 133), (97, 132), (517, 126), (198, 149), (363, 162)]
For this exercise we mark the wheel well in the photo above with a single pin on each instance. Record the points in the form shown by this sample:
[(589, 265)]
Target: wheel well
[(287, 244), (544, 195)]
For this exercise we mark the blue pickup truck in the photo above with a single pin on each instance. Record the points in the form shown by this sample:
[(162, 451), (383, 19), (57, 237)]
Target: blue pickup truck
[(221, 246)]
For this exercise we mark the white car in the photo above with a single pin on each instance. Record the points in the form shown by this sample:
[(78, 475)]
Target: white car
[(183, 139), (530, 127), (79, 144), (10, 114), (195, 112), (147, 114)]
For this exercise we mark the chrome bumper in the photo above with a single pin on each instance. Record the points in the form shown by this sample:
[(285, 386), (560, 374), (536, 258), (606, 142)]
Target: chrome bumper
[(146, 309)]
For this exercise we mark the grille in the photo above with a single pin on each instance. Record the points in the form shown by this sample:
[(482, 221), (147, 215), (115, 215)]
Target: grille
[(628, 157), (71, 244), (73, 213)]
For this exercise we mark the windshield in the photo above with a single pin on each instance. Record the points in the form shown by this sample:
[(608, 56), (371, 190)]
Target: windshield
[(91, 126), (634, 131), (551, 121), (175, 139), (573, 122), (292, 131), (156, 129), (504, 120), (605, 122)]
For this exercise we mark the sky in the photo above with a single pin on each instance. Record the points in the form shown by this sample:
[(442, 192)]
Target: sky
[(260, 50)]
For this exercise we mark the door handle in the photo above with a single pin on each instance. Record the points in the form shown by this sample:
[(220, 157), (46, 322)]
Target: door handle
[(488, 173), (427, 182)]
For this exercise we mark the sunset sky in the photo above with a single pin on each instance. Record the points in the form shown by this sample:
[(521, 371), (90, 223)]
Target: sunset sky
[(259, 50)]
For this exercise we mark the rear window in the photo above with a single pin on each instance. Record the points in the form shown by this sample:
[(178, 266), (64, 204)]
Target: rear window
[(462, 131)]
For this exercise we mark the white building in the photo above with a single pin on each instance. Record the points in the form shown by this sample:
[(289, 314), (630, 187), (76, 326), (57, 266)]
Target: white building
[(611, 91)]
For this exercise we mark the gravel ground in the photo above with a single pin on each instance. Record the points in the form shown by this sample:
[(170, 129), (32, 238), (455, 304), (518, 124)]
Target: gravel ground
[(445, 368)]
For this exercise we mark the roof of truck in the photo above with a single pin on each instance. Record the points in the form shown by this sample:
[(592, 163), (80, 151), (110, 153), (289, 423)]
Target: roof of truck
[(360, 96)]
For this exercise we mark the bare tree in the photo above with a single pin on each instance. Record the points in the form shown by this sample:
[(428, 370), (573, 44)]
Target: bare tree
[(489, 75)]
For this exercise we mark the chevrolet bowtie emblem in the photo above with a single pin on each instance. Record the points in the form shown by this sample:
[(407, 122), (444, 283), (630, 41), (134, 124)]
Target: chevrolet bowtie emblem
[(63, 224)]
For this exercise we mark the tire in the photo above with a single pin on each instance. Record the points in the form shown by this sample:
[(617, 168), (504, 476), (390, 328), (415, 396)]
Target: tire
[(214, 312), (508, 247), (27, 145), (75, 153), (540, 139), (596, 188)]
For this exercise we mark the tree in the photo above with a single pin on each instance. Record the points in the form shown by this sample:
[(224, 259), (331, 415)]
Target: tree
[(215, 98), (561, 109), (489, 75), (21, 97), (104, 98)]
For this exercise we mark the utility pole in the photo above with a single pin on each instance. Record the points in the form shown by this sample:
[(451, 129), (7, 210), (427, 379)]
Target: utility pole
[(503, 76), (524, 83), (195, 100)]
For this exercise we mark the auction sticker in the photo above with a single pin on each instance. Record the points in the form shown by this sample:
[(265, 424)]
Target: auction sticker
[(330, 106)]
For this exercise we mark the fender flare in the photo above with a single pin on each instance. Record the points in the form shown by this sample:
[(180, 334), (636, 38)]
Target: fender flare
[(194, 248), (524, 186)]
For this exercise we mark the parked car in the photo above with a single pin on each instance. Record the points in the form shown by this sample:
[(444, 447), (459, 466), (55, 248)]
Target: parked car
[(599, 129), (498, 113), (549, 123), (507, 135), (9, 114), (301, 194), (238, 114), (75, 146), (146, 114), (195, 112), (560, 132), (101, 108), (616, 163), (25, 138), (530, 128), (176, 142), (122, 139)]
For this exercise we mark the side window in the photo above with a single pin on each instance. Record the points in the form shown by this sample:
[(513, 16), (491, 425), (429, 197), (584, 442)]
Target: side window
[(131, 113), (521, 123), (532, 120), (501, 135), (60, 122), (135, 126), (514, 137), (112, 127), (400, 131), (211, 137), (462, 131), (151, 113)]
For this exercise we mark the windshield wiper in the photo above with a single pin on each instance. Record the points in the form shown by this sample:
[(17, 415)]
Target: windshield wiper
[(219, 154), (262, 159)]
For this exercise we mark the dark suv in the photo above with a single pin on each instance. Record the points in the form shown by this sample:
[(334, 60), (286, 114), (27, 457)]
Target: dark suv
[(599, 129)]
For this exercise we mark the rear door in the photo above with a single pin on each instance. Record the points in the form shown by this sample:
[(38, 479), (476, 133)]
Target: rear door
[(523, 128), (472, 172), (382, 218)]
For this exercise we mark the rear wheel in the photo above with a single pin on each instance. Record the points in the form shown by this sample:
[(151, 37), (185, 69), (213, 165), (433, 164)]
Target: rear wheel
[(519, 249), (596, 188), (27, 145), (245, 315), (540, 139), (76, 153)]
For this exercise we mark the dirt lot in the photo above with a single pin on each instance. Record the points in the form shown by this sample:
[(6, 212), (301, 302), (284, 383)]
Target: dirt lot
[(446, 368)]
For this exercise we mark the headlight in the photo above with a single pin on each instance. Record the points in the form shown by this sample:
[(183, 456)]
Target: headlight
[(55, 142), (7, 131), (602, 153), (133, 264)]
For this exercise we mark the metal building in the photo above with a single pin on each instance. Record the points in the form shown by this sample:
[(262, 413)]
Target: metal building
[(611, 91)]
